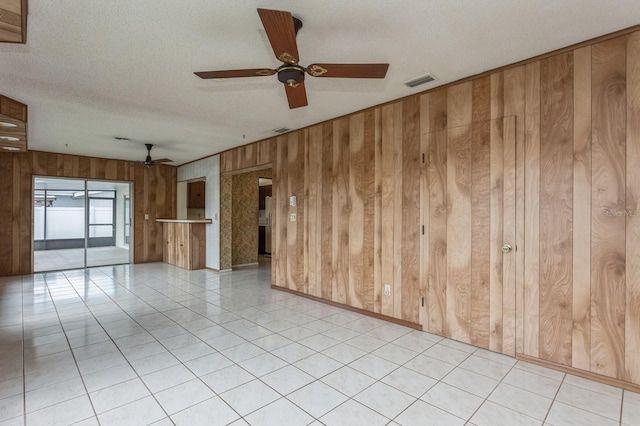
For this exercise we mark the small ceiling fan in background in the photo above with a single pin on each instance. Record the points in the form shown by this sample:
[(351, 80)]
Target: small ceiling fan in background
[(148, 161), (281, 28)]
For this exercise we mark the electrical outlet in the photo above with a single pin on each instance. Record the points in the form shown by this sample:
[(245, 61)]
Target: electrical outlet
[(292, 217), (146, 216), (387, 289)]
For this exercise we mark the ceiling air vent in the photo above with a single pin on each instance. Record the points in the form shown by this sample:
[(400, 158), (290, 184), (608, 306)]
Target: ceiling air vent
[(281, 130), (427, 78)]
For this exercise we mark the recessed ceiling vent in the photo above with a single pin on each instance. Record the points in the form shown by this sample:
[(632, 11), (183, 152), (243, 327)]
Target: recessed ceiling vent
[(423, 79), (281, 130)]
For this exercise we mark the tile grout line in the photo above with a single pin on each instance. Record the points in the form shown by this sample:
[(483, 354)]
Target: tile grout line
[(111, 339), (24, 362), (183, 364), (192, 294), (319, 379), (544, 421), (445, 376), (55, 307), (491, 393), (302, 325), (376, 380), (624, 393), (158, 341)]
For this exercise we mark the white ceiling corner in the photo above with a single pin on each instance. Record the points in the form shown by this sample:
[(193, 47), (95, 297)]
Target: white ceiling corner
[(95, 69)]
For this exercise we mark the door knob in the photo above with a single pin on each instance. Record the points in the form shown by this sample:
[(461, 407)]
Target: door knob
[(506, 248)]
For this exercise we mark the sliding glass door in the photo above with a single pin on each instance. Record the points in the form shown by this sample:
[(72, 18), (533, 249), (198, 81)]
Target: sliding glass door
[(58, 224), (80, 223), (107, 242)]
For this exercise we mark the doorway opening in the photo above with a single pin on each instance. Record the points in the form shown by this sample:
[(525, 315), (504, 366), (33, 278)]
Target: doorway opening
[(264, 219), (80, 223), (243, 219)]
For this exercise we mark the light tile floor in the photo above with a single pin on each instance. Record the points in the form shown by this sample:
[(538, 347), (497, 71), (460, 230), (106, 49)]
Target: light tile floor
[(56, 260), (155, 344)]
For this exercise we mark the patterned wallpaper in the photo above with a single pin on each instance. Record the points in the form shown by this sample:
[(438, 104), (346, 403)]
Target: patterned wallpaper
[(239, 218), (245, 218), (225, 222)]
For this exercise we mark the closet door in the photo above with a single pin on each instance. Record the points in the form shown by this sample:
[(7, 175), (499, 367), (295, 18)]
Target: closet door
[(470, 234)]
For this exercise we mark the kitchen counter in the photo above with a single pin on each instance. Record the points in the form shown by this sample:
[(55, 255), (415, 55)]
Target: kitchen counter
[(184, 220), (185, 242)]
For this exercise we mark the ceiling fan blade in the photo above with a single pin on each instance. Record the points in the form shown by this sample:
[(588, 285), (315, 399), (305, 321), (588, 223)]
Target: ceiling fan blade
[(163, 160), (296, 95), (253, 72), (282, 34), (348, 70)]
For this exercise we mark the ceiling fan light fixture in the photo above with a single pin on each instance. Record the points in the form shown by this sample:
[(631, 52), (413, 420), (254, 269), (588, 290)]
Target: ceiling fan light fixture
[(291, 74), (281, 28), (7, 124)]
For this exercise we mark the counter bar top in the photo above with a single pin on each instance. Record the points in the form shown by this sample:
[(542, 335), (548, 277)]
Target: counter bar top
[(185, 220)]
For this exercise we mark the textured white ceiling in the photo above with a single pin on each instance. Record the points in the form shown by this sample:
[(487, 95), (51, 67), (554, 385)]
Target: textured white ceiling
[(95, 69)]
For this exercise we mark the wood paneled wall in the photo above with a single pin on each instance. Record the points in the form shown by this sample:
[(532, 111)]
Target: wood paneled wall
[(15, 113), (247, 156), (468, 200), (154, 194), (574, 297), (13, 21)]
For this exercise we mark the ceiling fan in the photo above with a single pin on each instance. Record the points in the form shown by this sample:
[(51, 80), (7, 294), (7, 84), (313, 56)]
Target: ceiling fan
[(148, 161), (281, 28)]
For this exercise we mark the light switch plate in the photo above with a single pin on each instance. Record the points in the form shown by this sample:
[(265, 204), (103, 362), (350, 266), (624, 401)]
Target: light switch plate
[(292, 201)]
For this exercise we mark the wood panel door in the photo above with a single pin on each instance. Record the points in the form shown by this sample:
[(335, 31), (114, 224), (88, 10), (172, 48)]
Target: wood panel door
[(169, 253), (182, 245), (196, 195), (469, 211)]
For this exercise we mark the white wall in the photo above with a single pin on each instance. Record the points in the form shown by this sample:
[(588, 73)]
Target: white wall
[(62, 223), (121, 194), (38, 223), (209, 168), (181, 200)]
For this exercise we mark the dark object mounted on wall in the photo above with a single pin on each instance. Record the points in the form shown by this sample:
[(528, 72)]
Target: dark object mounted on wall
[(196, 195), (13, 21), (13, 125)]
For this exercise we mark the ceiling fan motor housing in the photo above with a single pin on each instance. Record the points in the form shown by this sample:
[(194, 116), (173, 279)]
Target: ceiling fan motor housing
[(281, 28), (291, 74), (148, 161)]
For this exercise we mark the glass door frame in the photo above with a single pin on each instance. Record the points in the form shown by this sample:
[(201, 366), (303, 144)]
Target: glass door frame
[(86, 197), (113, 218)]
